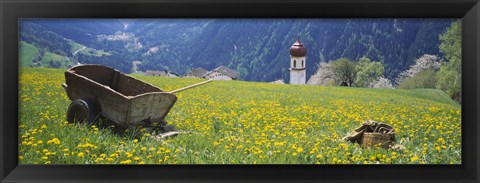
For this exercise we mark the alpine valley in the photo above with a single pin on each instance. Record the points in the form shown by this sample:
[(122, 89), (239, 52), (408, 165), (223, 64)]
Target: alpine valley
[(258, 49)]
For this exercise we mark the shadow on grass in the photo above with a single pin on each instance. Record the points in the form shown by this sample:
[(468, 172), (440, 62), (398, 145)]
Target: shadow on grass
[(131, 132)]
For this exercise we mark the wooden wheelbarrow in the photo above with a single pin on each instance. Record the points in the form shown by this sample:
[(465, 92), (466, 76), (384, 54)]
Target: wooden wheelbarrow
[(97, 90)]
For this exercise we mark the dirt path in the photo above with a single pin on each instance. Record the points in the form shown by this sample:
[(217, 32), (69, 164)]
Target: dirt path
[(74, 53)]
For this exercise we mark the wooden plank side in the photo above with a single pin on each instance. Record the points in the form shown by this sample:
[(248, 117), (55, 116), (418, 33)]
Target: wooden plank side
[(130, 86), (153, 106), (114, 106), (97, 73)]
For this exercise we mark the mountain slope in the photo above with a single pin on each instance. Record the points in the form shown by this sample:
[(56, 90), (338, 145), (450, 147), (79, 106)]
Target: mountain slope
[(256, 48)]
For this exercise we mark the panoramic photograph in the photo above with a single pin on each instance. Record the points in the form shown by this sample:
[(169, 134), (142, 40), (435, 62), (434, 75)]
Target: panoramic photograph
[(240, 91)]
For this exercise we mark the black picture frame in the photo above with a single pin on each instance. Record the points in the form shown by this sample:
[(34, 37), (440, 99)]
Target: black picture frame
[(11, 11)]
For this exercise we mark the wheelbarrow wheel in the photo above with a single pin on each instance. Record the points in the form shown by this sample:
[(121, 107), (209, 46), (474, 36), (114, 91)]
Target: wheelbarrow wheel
[(81, 111)]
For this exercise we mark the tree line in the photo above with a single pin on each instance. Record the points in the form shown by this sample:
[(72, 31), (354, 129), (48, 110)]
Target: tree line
[(428, 71)]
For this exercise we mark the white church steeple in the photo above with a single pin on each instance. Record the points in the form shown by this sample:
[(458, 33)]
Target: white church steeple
[(298, 63)]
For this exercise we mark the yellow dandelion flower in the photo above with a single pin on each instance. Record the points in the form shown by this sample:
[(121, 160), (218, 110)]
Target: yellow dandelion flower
[(415, 158), (126, 162), (335, 160), (299, 150), (54, 141)]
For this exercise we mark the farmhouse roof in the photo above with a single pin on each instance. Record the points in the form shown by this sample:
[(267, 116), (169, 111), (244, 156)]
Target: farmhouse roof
[(225, 70), (148, 72), (156, 72), (197, 72), (170, 72)]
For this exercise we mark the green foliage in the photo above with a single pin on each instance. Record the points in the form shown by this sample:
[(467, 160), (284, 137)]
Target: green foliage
[(424, 79), (451, 45), (55, 64), (450, 72), (344, 71), (450, 82), (26, 53), (43, 38), (367, 72), (243, 72)]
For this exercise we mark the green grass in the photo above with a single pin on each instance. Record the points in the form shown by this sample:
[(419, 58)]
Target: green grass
[(244, 123), (49, 56), (26, 53)]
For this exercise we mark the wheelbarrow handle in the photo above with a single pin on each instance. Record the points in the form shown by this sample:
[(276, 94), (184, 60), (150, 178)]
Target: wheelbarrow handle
[(188, 87)]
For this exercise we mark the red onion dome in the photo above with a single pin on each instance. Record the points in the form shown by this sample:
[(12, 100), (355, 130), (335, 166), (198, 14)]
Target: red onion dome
[(297, 49)]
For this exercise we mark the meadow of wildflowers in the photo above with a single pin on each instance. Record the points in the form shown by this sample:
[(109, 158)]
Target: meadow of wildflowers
[(237, 122)]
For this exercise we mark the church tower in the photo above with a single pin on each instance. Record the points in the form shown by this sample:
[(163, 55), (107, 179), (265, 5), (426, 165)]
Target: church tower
[(298, 63)]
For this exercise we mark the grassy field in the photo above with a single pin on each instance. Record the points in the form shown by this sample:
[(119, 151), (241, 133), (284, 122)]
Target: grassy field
[(49, 56), (236, 122), (26, 53)]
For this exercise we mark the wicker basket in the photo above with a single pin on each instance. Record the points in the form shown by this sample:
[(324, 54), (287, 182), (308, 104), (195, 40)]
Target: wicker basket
[(371, 139)]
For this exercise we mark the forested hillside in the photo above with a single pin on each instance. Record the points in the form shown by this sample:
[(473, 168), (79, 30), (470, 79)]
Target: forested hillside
[(257, 48)]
